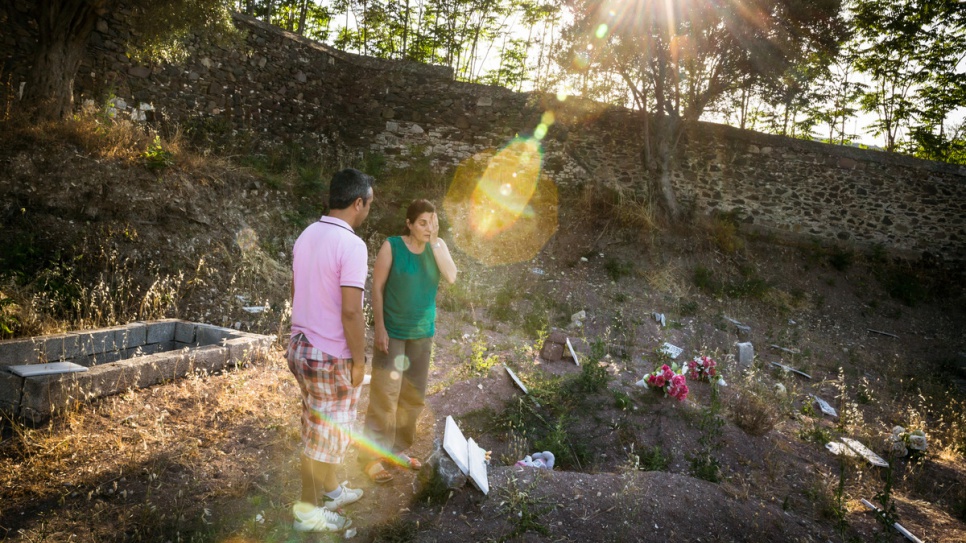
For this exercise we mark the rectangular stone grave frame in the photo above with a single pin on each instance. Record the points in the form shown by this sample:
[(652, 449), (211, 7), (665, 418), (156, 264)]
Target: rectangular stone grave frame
[(117, 358)]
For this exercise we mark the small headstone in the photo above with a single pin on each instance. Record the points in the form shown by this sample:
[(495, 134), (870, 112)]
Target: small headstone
[(744, 331), (660, 318), (746, 355), (873, 458), (672, 351), (572, 353), (825, 407)]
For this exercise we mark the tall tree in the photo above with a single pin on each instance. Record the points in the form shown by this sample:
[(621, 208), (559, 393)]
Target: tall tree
[(912, 51), (677, 57), (64, 27)]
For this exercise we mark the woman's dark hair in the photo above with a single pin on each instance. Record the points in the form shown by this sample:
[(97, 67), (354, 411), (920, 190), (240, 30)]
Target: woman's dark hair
[(417, 208), (347, 186)]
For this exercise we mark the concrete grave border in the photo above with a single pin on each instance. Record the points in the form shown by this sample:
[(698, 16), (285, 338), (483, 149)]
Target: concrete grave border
[(118, 358)]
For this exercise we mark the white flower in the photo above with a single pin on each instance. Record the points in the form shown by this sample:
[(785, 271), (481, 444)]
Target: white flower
[(917, 440)]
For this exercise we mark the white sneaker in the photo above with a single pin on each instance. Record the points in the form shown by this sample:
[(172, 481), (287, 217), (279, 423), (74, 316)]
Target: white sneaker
[(309, 518), (349, 495)]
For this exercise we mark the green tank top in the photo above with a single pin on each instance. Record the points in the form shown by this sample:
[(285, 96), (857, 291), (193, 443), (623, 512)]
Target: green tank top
[(409, 299)]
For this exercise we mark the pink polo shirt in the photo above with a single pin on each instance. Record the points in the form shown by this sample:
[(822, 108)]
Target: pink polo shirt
[(327, 256)]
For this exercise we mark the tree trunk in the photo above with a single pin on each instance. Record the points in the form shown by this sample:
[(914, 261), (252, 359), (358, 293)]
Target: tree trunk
[(63, 29), (303, 11), (666, 131)]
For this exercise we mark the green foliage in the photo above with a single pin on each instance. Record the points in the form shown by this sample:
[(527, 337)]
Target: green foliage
[(653, 459), (903, 285), (840, 258), (616, 269), (704, 464), (886, 515), (156, 157), (480, 364), (165, 28), (523, 509), (593, 377), (911, 52), (815, 433), (622, 401), (747, 286)]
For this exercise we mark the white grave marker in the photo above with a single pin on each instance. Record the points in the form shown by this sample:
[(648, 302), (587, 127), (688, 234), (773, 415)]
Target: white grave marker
[(478, 466), (791, 369), (33, 370), (572, 353), (825, 407), (899, 528), (455, 445), (839, 448), (520, 384), (672, 351), (873, 458)]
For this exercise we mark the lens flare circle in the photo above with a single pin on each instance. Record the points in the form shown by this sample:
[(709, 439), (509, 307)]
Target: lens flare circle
[(502, 208), (401, 363)]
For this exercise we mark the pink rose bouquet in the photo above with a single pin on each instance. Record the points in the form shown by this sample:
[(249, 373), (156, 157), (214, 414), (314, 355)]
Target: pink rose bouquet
[(668, 378), (702, 368)]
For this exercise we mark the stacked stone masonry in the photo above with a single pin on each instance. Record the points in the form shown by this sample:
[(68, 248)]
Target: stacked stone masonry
[(287, 90), (135, 355)]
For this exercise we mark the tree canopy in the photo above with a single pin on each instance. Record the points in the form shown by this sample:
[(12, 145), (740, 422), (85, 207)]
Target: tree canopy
[(675, 59)]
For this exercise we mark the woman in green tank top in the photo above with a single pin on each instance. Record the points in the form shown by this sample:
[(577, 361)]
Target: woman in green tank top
[(405, 277)]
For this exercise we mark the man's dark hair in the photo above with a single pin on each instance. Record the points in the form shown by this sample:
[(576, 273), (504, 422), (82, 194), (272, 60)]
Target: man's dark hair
[(348, 185)]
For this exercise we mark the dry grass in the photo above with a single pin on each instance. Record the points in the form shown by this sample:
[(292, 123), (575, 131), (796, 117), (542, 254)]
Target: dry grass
[(173, 461)]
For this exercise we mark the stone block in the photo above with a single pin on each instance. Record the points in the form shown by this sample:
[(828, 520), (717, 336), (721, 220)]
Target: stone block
[(10, 389), (92, 360), (184, 332), (95, 342), (131, 336), (158, 368), (61, 347), (45, 395), (211, 358), (14, 352), (551, 351), (244, 350), (440, 465), (207, 334), (161, 331)]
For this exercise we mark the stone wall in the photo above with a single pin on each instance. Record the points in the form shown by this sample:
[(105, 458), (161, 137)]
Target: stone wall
[(285, 89)]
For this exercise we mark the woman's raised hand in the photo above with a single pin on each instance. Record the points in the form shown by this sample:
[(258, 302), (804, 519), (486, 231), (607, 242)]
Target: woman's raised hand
[(434, 230)]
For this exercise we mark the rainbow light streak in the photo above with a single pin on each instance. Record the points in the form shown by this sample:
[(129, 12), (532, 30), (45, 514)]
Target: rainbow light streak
[(360, 440)]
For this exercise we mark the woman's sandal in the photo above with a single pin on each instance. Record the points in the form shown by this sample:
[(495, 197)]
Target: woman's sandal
[(411, 462), (377, 472)]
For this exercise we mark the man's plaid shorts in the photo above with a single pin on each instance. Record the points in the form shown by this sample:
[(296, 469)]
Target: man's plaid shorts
[(328, 400)]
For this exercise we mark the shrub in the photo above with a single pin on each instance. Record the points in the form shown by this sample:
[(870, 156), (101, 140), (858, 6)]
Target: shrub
[(752, 413)]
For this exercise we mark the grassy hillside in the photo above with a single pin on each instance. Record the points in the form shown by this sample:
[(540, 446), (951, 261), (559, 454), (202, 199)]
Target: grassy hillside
[(105, 222)]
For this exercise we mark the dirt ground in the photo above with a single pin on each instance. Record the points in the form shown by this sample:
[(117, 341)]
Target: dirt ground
[(214, 458)]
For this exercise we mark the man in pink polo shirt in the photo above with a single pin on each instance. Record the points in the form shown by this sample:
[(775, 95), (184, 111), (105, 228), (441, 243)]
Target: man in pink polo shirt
[(327, 349)]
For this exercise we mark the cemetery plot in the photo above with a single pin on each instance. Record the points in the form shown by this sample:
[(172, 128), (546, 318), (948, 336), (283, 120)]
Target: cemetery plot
[(43, 374)]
